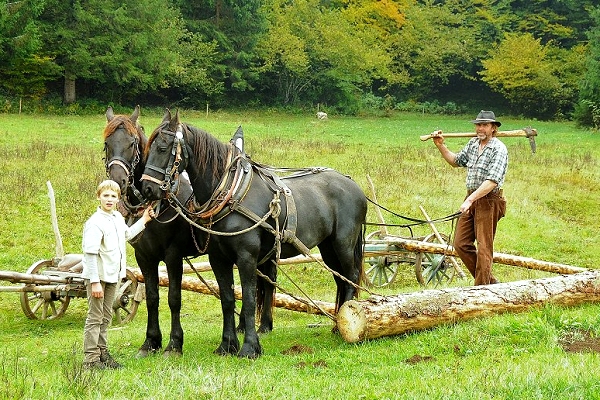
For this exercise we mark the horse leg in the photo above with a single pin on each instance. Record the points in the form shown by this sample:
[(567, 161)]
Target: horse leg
[(336, 257), (247, 270), (153, 342), (175, 272), (223, 271)]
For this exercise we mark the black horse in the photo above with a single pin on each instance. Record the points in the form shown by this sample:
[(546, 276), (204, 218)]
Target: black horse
[(247, 208), (168, 238)]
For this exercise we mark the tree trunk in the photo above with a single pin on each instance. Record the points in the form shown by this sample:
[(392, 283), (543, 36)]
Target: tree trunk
[(69, 94), (378, 316), (281, 300)]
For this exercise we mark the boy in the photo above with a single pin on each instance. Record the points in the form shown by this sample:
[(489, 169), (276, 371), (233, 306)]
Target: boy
[(104, 243)]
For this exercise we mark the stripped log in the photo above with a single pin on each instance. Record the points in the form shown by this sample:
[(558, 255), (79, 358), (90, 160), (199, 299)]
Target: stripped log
[(281, 300), (418, 246), (378, 316)]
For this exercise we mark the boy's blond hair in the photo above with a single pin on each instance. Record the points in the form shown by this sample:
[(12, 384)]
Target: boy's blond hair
[(108, 185)]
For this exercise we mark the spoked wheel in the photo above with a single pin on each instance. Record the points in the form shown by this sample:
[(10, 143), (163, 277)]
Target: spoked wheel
[(45, 305), (380, 270), (127, 301), (433, 269)]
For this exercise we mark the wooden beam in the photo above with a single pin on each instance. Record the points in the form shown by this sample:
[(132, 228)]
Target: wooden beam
[(211, 287), (418, 246)]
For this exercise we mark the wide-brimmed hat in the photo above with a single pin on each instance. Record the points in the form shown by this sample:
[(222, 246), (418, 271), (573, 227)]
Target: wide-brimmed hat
[(486, 116)]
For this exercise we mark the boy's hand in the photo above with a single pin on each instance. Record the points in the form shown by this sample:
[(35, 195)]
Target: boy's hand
[(97, 291), (149, 213)]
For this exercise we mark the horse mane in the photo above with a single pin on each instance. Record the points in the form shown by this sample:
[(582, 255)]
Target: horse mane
[(208, 151), (118, 120)]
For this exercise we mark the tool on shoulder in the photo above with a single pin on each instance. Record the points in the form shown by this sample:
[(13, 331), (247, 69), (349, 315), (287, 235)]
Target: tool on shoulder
[(529, 133)]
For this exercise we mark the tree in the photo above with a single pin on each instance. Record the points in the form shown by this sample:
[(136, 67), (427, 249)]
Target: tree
[(442, 42), (24, 68), (588, 110), (538, 80), (314, 53), (233, 28), (123, 47)]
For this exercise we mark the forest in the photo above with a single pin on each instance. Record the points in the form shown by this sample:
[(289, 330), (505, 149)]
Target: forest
[(532, 58)]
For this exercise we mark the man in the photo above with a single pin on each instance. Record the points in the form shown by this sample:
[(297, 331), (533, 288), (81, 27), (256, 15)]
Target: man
[(486, 160)]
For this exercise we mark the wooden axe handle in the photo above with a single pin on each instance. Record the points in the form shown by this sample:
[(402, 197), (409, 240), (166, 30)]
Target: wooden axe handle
[(528, 132)]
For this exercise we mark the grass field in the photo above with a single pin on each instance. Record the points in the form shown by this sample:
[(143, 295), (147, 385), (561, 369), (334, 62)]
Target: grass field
[(553, 215)]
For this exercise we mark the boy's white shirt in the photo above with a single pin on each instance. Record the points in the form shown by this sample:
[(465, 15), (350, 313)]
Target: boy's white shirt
[(105, 235)]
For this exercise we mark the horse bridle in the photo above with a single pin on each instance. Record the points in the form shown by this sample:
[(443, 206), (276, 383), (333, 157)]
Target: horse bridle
[(129, 170), (171, 173)]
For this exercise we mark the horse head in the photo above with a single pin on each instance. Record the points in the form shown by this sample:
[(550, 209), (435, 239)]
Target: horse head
[(124, 141), (166, 157)]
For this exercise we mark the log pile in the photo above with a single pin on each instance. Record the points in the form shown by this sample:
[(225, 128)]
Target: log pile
[(379, 316)]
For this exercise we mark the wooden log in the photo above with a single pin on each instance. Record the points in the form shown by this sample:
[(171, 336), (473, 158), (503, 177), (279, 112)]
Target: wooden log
[(281, 300), (418, 246), (204, 266), (18, 277), (378, 316)]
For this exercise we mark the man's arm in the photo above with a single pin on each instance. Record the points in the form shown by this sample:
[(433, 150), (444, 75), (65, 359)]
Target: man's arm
[(486, 187), (449, 156)]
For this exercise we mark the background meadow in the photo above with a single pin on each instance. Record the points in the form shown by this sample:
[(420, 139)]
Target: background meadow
[(552, 215)]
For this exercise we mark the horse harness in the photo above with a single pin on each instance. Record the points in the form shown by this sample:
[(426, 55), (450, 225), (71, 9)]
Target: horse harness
[(230, 192)]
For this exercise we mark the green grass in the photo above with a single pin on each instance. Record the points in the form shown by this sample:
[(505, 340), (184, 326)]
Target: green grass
[(552, 215)]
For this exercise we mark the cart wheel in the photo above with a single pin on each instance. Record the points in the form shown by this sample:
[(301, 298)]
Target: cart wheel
[(432, 269), (379, 271), (43, 305), (127, 302)]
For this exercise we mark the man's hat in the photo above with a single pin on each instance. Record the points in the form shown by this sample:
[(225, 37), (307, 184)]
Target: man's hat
[(486, 116)]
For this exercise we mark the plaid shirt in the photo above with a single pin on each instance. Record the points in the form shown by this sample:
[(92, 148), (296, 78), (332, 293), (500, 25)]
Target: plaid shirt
[(490, 165)]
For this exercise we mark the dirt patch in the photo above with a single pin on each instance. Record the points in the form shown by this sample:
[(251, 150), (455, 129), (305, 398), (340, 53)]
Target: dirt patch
[(418, 359), (298, 349), (316, 364), (580, 341)]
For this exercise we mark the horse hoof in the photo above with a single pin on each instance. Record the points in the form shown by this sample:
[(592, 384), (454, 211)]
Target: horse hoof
[(226, 351), (250, 352), (172, 353), (143, 353), (264, 329)]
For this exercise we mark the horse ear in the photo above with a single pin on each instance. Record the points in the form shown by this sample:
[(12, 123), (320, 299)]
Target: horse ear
[(110, 114), (174, 123), (135, 115), (167, 116)]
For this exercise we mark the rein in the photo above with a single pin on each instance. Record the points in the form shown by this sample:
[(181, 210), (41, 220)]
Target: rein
[(415, 221)]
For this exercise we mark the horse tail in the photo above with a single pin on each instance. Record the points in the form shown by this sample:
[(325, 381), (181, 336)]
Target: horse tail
[(264, 289), (359, 252)]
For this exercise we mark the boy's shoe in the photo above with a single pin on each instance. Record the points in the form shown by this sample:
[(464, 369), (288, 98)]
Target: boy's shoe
[(109, 361), (94, 365)]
